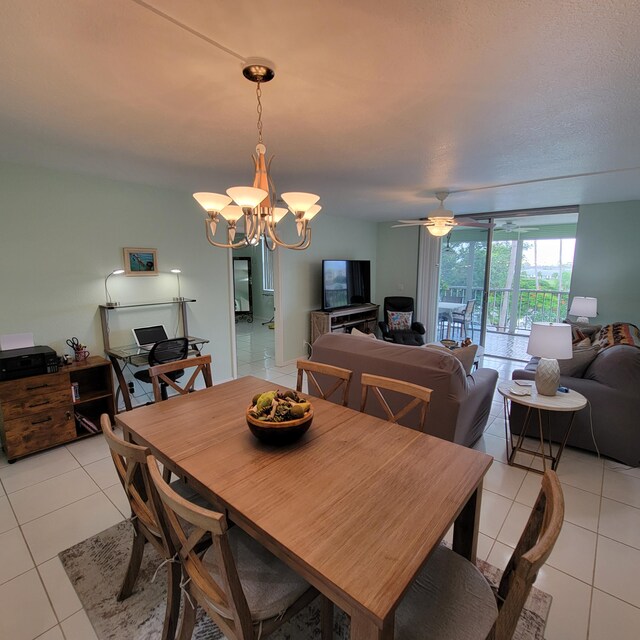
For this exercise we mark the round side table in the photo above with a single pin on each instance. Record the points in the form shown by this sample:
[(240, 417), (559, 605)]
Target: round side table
[(568, 402)]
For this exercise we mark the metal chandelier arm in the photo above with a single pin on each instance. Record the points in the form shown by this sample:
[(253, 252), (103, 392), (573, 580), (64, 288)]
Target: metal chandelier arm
[(303, 244), (221, 245)]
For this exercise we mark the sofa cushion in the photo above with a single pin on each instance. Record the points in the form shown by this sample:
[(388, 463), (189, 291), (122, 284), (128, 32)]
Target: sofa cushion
[(399, 320), (586, 329), (362, 334), (466, 355), (577, 365)]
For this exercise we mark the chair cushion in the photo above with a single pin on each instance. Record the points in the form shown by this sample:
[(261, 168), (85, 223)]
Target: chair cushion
[(269, 586), (449, 599), (399, 320)]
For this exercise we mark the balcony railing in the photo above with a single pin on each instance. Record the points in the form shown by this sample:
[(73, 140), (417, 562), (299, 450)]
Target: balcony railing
[(507, 315)]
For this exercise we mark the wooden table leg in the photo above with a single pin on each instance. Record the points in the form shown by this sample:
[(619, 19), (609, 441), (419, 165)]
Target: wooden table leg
[(465, 528), (363, 628)]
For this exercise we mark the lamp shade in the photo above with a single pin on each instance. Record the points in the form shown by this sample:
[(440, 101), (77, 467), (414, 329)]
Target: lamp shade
[(247, 196), (232, 213), (300, 202), (312, 212), (212, 201), (582, 306), (550, 340)]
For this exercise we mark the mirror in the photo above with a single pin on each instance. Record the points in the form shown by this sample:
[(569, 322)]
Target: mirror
[(242, 289)]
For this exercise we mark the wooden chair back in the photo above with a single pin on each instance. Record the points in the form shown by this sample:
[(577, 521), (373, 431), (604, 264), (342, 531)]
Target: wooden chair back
[(421, 396), (342, 379), (532, 551), (159, 375), (130, 461), (224, 602)]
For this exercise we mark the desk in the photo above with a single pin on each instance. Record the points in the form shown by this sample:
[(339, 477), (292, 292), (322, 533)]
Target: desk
[(139, 357), (569, 402), (356, 506)]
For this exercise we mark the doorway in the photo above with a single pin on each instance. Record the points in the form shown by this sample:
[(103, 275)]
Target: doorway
[(254, 310), (530, 259)]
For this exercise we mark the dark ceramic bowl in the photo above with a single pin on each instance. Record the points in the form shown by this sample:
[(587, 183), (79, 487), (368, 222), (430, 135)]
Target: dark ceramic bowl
[(279, 433)]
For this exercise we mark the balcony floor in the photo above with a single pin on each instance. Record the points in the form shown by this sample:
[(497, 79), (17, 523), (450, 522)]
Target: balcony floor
[(501, 345)]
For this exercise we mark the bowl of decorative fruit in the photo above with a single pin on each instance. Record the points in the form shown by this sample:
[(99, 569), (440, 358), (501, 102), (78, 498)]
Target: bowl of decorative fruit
[(279, 417)]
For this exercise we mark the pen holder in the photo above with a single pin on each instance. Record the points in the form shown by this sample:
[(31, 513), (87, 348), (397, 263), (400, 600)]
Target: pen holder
[(81, 355)]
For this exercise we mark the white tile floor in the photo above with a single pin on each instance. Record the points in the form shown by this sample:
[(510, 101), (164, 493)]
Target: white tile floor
[(50, 501)]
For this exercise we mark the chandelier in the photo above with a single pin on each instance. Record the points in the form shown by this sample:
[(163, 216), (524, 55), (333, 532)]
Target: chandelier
[(255, 205)]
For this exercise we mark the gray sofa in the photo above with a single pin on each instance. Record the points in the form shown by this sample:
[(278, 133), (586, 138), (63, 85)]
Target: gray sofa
[(460, 404), (611, 384)]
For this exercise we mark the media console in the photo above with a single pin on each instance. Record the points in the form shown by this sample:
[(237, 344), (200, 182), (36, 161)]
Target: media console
[(363, 317)]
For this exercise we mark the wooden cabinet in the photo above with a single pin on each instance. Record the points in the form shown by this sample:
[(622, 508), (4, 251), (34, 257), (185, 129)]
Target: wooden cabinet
[(363, 317), (39, 412)]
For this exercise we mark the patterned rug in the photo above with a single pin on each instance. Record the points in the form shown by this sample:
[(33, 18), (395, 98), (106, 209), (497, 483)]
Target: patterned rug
[(97, 565)]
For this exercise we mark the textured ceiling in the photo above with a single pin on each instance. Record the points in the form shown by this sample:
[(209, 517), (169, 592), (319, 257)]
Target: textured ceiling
[(375, 105)]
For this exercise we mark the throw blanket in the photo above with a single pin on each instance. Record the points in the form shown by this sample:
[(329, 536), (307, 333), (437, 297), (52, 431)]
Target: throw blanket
[(618, 333)]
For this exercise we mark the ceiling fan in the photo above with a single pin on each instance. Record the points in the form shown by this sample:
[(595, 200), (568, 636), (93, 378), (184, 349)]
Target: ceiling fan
[(512, 227), (441, 220)]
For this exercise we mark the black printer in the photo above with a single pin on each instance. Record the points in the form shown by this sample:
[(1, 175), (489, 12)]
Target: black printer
[(29, 361)]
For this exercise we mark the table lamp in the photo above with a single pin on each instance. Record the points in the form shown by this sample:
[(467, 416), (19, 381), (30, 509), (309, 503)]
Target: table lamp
[(549, 341), (109, 302), (585, 308)]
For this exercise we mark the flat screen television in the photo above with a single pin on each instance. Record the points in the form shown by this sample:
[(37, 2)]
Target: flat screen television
[(345, 283)]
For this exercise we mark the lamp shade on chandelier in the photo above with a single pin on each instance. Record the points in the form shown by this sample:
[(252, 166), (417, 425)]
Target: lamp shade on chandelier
[(255, 205)]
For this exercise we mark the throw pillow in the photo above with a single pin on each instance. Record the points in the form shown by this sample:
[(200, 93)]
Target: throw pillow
[(362, 334), (577, 365), (466, 355), (618, 333), (399, 320)]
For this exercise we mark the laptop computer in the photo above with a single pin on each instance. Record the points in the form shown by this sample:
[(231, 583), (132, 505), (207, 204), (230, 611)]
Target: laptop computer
[(146, 337)]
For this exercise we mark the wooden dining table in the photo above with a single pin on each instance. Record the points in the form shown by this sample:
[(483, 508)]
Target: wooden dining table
[(356, 506)]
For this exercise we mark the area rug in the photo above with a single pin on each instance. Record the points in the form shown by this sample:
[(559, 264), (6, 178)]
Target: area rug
[(97, 565)]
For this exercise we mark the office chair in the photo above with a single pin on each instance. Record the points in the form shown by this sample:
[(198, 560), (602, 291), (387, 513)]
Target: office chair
[(161, 352)]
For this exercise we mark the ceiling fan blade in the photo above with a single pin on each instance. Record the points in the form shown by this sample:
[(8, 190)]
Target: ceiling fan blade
[(479, 225), (413, 221), (409, 224)]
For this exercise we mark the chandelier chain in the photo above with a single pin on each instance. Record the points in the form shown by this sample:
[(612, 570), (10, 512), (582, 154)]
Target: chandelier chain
[(259, 110)]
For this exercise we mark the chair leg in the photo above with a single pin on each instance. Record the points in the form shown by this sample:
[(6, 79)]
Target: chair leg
[(188, 621), (326, 618), (137, 550), (172, 612)]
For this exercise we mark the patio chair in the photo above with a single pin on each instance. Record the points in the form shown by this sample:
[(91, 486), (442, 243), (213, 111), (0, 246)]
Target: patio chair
[(464, 319), (450, 598)]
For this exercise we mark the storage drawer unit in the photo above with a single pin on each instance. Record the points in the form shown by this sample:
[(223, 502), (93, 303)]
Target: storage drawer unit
[(37, 413)]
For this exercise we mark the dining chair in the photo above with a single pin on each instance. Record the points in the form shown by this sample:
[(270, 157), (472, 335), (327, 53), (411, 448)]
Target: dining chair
[(130, 461), (421, 396), (342, 376), (450, 598), (462, 319), (162, 376), (164, 351), (241, 586)]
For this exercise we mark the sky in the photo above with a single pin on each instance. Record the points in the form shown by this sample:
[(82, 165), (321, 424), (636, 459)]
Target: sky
[(549, 252)]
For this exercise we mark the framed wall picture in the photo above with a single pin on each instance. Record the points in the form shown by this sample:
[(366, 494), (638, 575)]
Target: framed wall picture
[(140, 262)]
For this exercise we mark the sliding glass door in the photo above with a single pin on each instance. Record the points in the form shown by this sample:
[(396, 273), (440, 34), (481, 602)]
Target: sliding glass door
[(462, 288)]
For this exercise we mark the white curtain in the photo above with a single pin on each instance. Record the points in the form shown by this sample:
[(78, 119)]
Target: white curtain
[(428, 278)]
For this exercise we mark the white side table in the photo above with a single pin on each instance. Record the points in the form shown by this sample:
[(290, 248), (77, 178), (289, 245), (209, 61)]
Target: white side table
[(569, 402)]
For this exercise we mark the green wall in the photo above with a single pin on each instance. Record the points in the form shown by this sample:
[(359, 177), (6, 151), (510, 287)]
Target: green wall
[(61, 233), (607, 260), (333, 238), (397, 262)]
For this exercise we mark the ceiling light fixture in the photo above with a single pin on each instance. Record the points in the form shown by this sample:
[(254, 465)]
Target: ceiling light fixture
[(441, 222), (256, 204)]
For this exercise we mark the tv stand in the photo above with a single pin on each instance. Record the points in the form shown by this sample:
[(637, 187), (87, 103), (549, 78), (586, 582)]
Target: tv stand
[(363, 317)]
